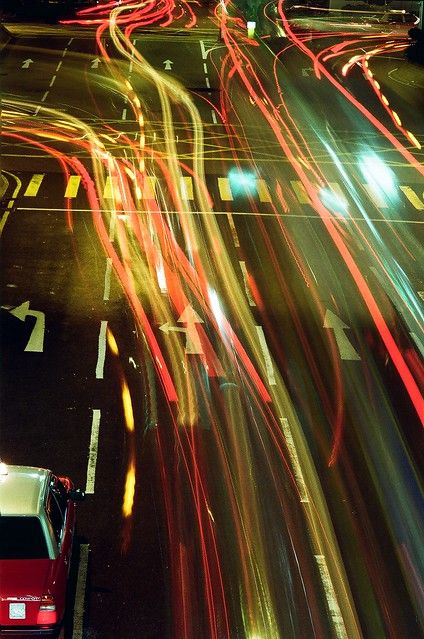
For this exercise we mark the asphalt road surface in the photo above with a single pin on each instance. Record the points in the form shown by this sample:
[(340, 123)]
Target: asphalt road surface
[(212, 310)]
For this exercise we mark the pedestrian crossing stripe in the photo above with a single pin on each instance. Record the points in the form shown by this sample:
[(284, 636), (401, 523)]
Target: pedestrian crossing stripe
[(263, 192), (72, 186), (224, 189), (34, 185), (300, 192), (413, 197), (149, 189), (379, 202), (187, 188)]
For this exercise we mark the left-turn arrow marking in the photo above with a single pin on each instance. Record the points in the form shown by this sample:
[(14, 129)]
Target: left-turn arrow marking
[(36, 340), (26, 63)]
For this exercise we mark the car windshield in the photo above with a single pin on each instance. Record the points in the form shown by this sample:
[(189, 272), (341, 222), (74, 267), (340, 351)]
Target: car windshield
[(22, 538)]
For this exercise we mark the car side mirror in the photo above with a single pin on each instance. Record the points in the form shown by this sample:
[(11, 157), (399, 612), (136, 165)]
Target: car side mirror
[(76, 494)]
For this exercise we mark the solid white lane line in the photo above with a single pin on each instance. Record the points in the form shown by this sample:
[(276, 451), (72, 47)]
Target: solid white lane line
[(92, 455), (268, 362), (101, 351), (80, 592)]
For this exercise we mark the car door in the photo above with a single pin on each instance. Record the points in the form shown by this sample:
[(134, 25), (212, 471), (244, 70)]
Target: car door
[(58, 509)]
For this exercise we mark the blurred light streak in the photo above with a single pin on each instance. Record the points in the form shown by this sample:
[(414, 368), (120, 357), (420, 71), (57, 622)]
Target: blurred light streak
[(129, 491), (127, 405)]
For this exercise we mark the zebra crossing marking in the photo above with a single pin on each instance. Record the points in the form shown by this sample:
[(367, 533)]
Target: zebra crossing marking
[(34, 185), (415, 200), (187, 188), (379, 202), (224, 189), (300, 192), (72, 186), (263, 192), (151, 183)]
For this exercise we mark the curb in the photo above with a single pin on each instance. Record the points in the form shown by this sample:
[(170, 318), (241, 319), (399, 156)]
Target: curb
[(5, 36)]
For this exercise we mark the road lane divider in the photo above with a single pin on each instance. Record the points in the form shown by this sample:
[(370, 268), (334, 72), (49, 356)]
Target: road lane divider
[(246, 283), (101, 351), (297, 469), (11, 202), (78, 620), (108, 273), (92, 453), (330, 595), (267, 356)]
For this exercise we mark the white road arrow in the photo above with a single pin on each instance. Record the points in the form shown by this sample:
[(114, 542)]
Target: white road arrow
[(168, 65), (36, 340), (307, 71), (26, 63), (95, 63), (346, 349), (191, 318)]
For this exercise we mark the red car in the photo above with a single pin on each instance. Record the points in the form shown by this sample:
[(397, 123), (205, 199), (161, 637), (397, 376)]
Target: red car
[(37, 523)]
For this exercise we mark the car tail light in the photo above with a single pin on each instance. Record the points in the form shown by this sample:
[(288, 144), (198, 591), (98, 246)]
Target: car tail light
[(47, 611)]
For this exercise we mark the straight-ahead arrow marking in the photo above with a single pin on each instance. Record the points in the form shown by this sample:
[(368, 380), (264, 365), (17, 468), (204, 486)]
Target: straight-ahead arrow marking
[(26, 63), (95, 63), (346, 350), (168, 65)]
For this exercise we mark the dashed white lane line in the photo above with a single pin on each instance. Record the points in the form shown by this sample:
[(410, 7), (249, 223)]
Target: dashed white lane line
[(92, 453), (246, 283), (303, 493), (330, 593), (80, 593), (101, 351), (267, 357), (214, 120), (108, 273), (52, 81)]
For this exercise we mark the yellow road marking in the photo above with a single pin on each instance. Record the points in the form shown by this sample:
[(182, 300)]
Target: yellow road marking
[(413, 197), (263, 192), (34, 185), (224, 189), (72, 186), (300, 192), (187, 188), (378, 201)]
